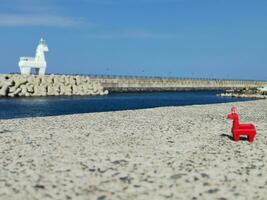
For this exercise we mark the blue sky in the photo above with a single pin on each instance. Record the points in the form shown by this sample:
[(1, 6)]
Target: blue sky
[(182, 38)]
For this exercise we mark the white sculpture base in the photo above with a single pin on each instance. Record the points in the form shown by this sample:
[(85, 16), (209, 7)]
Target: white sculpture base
[(27, 70)]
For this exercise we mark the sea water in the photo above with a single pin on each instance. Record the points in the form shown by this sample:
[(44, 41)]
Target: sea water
[(52, 106)]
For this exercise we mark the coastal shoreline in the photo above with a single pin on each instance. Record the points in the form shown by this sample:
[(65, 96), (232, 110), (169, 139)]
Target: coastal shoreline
[(160, 153), (256, 93), (235, 95)]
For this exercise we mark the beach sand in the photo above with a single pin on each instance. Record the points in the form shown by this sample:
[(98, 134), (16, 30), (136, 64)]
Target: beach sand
[(160, 153)]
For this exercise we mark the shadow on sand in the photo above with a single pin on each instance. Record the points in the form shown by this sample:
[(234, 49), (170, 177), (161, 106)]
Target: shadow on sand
[(242, 138), (4, 131)]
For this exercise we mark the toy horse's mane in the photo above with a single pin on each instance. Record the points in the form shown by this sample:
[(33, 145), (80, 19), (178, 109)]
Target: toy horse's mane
[(234, 110)]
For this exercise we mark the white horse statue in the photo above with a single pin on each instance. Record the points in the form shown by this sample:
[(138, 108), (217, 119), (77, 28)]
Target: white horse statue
[(38, 62)]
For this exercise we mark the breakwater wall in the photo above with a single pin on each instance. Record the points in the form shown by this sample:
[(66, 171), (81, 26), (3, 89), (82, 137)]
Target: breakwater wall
[(15, 85), (50, 85), (128, 84)]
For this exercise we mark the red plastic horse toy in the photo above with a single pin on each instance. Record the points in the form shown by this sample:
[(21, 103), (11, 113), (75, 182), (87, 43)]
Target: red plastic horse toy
[(238, 130)]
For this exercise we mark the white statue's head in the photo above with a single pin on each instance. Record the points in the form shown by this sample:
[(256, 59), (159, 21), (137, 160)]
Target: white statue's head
[(42, 46)]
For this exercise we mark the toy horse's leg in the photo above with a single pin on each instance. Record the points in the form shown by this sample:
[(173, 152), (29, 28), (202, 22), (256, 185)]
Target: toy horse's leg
[(251, 136), (236, 136)]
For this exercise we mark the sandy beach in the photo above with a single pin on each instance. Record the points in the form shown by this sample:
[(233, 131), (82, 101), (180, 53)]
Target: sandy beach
[(161, 153)]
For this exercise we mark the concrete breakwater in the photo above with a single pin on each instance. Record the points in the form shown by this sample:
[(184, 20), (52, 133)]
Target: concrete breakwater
[(129, 84), (14, 85), (51, 85)]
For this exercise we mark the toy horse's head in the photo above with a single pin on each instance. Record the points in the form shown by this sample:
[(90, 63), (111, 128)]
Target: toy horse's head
[(42, 47), (233, 114)]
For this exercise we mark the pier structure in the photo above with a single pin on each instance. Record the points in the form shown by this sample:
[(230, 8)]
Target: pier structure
[(134, 84), (15, 85)]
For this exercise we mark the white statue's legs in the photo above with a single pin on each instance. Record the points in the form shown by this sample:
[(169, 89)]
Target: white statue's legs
[(41, 71), (25, 70)]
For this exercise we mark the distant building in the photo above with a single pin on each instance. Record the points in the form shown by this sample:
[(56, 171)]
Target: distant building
[(38, 63)]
